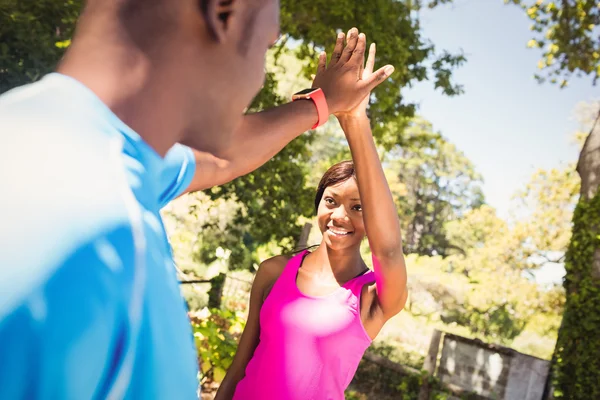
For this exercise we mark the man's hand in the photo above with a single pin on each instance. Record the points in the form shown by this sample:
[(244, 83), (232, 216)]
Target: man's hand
[(342, 81)]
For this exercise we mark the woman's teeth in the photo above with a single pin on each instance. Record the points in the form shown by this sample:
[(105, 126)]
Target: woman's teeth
[(338, 232)]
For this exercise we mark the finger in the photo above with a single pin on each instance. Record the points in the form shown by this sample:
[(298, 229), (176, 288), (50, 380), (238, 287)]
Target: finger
[(378, 76), (370, 65), (361, 71), (337, 50), (322, 62), (358, 55), (351, 41)]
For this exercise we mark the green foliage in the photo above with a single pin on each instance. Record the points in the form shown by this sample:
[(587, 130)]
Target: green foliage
[(273, 198), (33, 37), (480, 285), (548, 201), (373, 381), (216, 333), (497, 322), (195, 224), (568, 33), (393, 25), (493, 256), (276, 196), (577, 364), (437, 184)]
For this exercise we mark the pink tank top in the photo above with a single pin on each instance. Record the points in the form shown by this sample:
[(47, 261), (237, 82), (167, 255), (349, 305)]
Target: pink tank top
[(309, 346)]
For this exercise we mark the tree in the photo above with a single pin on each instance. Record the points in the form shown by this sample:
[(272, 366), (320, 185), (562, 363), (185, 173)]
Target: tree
[(481, 287), (576, 364), (572, 46), (568, 33), (34, 35), (547, 205), (393, 25), (440, 184), (275, 196)]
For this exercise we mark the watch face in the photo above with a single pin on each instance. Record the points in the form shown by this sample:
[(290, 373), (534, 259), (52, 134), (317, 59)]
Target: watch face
[(305, 91)]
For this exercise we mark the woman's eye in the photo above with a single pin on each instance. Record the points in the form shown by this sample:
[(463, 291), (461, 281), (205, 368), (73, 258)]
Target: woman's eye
[(329, 200), (357, 207)]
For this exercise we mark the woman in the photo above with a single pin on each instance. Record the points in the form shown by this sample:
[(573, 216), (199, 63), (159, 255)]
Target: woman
[(312, 316)]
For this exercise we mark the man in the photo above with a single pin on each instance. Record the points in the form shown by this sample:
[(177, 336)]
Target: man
[(89, 302)]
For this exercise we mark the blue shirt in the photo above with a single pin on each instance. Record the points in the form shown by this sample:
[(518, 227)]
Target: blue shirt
[(90, 305)]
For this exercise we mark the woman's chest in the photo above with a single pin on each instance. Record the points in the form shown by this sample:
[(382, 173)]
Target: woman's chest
[(313, 317)]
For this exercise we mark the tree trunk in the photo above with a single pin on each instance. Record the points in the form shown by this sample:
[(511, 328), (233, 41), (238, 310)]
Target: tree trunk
[(215, 294), (588, 166), (576, 372), (303, 240)]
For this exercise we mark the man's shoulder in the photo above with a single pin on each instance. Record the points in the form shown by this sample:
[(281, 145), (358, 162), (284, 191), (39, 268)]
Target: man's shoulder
[(33, 98), (63, 185), (54, 102), (51, 158)]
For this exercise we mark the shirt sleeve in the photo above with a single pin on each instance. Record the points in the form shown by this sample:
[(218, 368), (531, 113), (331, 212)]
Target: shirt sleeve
[(177, 174)]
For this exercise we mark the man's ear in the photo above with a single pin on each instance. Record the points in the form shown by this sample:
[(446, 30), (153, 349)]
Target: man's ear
[(217, 14)]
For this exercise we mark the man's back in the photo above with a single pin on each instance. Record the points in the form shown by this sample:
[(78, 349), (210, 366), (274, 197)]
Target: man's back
[(89, 301)]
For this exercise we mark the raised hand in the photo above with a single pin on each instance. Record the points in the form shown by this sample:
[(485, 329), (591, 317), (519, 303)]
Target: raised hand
[(361, 109), (346, 80)]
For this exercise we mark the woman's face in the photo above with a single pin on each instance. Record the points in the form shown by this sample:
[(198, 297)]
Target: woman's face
[(340, 216)]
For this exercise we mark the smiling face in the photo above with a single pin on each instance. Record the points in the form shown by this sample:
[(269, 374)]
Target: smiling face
[(339, 211)]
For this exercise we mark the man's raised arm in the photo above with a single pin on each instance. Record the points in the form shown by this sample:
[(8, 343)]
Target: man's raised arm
[(264, 134)]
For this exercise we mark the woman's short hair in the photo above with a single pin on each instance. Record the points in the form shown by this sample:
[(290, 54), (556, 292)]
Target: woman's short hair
[(338, 173)]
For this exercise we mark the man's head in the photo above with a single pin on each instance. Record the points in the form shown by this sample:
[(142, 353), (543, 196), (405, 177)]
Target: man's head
[(239, 35), (202, 61)]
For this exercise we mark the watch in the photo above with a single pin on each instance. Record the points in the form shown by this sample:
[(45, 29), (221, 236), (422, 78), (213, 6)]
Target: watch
[(318, 98)]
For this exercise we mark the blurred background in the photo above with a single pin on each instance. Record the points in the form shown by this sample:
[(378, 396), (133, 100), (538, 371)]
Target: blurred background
[(479, 131)]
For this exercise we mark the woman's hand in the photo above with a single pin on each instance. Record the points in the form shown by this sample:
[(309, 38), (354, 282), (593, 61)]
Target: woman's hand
[(346, 82), (360, 111)]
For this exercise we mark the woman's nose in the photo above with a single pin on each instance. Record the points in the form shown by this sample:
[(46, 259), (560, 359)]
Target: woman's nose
[(339, 214)]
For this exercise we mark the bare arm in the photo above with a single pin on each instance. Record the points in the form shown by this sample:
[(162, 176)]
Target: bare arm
[(264, 134), (380, 216), (379, 211), (256, 141), (266, 276)]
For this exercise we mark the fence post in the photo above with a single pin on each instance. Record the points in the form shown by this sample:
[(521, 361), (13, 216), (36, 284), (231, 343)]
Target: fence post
[(303, 240), (429, 363), (216, 291)]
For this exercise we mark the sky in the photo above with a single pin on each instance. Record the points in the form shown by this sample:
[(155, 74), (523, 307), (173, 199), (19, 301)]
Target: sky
[(506, 123)]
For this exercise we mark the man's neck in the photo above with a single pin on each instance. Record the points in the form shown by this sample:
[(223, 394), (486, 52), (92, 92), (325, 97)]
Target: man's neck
[(121, 77)]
